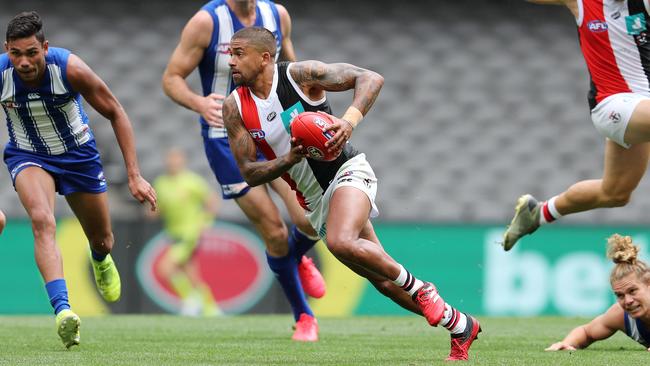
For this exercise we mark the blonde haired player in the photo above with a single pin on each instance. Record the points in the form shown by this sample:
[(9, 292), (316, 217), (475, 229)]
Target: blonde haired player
[(630, 280)]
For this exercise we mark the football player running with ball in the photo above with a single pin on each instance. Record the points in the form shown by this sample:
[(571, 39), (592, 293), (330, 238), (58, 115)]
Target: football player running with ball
[(204, 46), (339, 195)]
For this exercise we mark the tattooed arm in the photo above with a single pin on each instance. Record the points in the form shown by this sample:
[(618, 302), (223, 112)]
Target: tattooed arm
[(245, 152), (315, 78)]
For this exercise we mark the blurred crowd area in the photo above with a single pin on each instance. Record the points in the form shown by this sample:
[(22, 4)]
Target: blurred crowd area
[(483, 100)]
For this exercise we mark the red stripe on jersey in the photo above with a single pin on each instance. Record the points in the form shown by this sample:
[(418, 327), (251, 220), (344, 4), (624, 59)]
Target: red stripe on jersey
[(251, 120), (597, 50)]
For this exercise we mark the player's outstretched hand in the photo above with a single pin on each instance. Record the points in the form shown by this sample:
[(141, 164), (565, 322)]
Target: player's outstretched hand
[(296, 153), (210, 109), (143, 191), (560, 346), (342, 130)]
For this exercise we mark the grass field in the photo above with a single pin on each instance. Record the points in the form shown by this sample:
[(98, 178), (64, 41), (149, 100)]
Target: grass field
[(265, 340)]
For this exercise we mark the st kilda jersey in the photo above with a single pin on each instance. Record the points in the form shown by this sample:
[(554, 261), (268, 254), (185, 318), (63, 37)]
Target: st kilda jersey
[(614, 40), (268, 120)]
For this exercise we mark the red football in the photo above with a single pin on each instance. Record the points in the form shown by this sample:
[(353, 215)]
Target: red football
[(309, 129)]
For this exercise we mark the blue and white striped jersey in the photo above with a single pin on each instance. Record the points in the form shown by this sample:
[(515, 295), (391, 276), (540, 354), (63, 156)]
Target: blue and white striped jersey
[(635, 329), (48, 119), (213, 68)]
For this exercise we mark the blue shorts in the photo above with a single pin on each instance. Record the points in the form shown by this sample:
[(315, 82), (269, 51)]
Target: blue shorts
[(224, 166), (78, 170)]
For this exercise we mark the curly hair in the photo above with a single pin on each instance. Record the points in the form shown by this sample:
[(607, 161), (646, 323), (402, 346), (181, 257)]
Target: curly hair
[(622, 251)]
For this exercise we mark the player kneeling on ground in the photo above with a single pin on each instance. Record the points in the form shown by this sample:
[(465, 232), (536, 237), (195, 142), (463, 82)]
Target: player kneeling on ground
[(630, 280), (338, 195)]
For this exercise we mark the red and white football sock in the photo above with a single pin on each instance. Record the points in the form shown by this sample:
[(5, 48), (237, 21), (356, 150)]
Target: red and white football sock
[(548, 212), (453, 320), (407, 281)]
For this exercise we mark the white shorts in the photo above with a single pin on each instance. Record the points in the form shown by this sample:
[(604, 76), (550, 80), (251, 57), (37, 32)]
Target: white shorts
[(612, 114), (356, 173)]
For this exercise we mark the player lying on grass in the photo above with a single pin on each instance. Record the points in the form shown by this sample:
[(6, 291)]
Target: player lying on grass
[(338, 195), (630, 280)]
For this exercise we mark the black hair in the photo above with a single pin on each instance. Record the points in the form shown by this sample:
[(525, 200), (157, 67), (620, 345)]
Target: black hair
[(24, 25), (260, 38)]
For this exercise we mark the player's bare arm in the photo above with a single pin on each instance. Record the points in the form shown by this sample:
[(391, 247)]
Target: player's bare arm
[(601, 327), (316, 78), (245, 152), (195, 38), (100, 97), (287, 53)]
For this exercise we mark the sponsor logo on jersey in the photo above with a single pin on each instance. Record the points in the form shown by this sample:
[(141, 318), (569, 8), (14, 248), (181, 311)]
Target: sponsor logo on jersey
[(33, 96), (257, 135), (635, 24), (271, 116), (289, 114), (597, 26), (223, 48)]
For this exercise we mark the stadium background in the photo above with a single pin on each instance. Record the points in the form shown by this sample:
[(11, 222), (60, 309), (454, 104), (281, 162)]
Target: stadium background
[(483, 101)]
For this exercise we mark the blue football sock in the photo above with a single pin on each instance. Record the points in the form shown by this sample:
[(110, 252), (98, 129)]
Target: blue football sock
[(300, 242), (57, 291), (97, 256), (286, 271)]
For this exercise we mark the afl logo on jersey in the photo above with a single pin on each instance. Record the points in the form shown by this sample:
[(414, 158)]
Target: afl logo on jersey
[(257, 135), (597, 26), (271, 116)]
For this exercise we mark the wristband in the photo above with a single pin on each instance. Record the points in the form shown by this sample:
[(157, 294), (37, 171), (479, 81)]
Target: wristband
[(353, 116)]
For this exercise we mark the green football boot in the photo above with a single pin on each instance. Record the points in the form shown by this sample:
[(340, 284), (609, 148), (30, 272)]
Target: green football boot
[(107, 279), (67, 326)]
